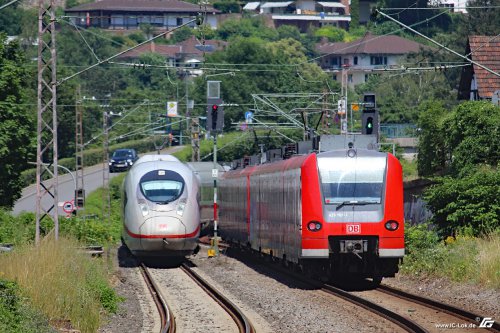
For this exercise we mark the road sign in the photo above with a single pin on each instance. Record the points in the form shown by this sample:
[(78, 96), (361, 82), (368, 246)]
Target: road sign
[(248, 117), (355, 107), (68, 207), (172, 109), (215, 173)]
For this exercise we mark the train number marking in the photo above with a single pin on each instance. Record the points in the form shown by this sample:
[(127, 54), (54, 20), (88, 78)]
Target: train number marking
[(353, 229)]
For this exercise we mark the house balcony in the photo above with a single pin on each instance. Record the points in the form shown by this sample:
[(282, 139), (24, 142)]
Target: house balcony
[(310, 15), (356, 68)]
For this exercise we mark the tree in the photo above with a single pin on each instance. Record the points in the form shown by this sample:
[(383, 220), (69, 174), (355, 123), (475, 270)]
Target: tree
[(472, 136), (468, 205), (16, 126), (431, 144), (333, 34), (181, 34)]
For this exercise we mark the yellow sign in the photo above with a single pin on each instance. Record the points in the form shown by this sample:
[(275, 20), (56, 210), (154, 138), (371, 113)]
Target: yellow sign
[(355, 107)]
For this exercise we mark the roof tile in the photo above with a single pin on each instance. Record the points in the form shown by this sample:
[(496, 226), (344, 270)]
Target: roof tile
[(486, 51), (372, 44)]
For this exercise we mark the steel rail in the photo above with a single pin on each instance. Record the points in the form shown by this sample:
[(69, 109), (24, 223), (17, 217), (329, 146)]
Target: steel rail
[(387, 314), (166, 316), (244, 325), (393, 317), (446, 308)]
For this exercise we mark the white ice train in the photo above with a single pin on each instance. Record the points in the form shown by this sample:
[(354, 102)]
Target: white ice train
[(160, 207)]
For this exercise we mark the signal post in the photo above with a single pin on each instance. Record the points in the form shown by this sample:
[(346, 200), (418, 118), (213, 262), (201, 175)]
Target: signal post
[(215, 124)]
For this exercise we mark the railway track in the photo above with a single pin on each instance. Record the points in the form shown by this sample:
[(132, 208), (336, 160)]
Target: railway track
[(166, 317), (439, 313), (168, 323), (405, 323), (244, 325), (442, 307)]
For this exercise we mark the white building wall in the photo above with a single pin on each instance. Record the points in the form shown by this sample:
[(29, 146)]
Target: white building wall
[(212, 21), (307, 5)]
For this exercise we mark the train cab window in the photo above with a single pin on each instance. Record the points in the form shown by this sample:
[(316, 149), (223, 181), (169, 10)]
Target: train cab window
[(352, 181), (162, 186)]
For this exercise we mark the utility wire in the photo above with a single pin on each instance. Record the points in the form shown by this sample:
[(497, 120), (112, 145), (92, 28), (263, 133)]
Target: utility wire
[(8, 4), (437, 43), (125, 51), (437, 8), (86, 43), (375, 38)]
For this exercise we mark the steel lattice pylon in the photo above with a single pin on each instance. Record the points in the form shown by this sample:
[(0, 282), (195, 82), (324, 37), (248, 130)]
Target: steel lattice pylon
[(47, 119)]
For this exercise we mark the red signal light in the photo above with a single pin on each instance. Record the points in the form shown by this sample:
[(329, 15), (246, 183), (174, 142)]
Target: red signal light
[(215, 107)]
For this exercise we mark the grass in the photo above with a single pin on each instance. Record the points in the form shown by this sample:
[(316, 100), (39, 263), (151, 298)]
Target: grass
[(61, 282), (461, 259), (55, 282), (410, 171), (16, 315)]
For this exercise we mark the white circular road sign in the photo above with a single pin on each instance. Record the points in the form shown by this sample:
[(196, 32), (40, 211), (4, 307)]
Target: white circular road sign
[(68, 207)]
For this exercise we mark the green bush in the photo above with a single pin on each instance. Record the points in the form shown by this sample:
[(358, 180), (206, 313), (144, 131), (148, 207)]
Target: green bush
[(15, 315), (468, 205), (463, 259)]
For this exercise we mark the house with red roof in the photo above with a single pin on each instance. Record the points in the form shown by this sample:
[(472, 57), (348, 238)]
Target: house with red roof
[(364, 56), (187, 54), (130, 14), (477, 83)]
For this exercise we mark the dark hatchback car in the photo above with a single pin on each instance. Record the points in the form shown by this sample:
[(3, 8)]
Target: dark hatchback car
[(122, 159)]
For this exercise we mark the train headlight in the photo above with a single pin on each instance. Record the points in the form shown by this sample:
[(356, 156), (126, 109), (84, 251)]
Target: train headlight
[(314, 226), (144, 207), (181, 206), (391, 225)]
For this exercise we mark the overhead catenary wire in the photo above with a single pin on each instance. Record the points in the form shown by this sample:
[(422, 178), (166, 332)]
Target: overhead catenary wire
[(377, 37), (124, 51), (439, 44), (8, 4)]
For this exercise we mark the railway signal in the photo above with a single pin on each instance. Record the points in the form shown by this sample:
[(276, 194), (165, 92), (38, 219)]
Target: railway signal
[(369, 116), (215, 115), (369, 125), (215, 108)]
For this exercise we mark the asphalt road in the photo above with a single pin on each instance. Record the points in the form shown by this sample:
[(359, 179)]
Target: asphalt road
[(93, 179)]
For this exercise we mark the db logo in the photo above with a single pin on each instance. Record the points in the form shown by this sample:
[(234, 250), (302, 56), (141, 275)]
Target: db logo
[(353, 229)]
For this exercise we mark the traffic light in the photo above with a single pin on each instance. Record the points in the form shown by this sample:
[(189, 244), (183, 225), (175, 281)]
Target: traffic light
[(369, 125)]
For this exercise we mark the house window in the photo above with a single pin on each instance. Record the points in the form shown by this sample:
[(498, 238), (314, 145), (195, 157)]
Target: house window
[(334, 77), (336, 61), (378, 60), (366, 77), (355, 60), (346, 61), (117, 21), (131, 21), (179, 21), (157, 20), (349, 78)]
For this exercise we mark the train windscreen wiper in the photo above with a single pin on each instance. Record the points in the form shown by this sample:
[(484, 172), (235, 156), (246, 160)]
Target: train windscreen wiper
[(356, 203)]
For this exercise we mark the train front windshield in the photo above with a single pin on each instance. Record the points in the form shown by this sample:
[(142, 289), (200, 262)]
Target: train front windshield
[(162, 186), (353, 181)]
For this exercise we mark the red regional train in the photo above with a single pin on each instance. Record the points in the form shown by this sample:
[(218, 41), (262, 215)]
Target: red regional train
[(338, 212)]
